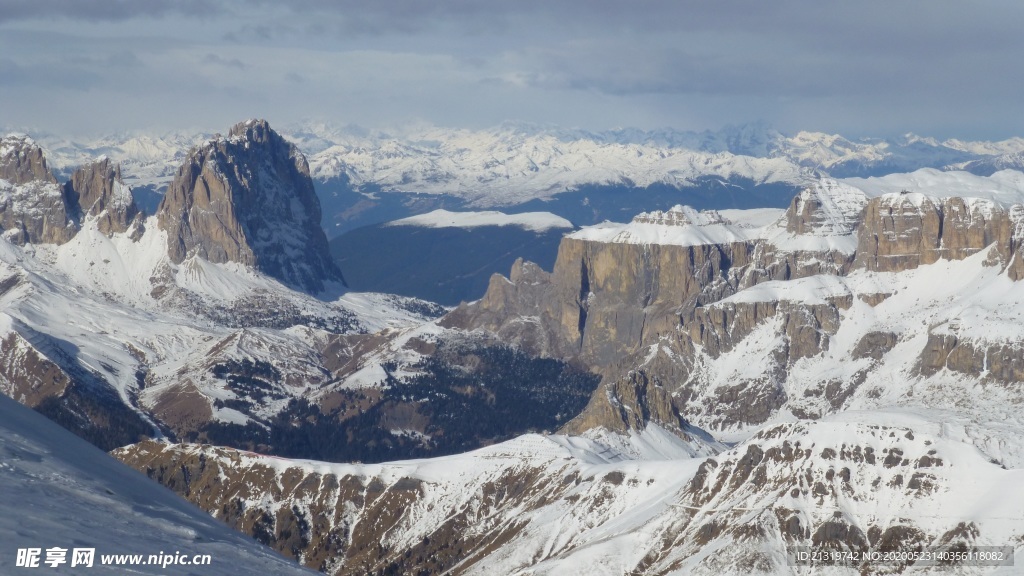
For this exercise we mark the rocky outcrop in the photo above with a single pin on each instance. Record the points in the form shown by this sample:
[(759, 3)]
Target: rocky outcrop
[(875, 345), (248, 198), (816, 235), (26, 375), (806, 327), (32, 205), (990, 362), (23, 162), (904, 231), (630, 403), (604, 301), (97, 191), (826, 209)]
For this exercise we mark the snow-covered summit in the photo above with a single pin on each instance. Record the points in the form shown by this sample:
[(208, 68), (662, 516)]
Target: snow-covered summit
[(678, 226), (680, 215), (827, 209)]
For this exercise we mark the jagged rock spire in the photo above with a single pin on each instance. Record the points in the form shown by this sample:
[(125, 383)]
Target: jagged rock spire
[(247, 197), (32, 204)]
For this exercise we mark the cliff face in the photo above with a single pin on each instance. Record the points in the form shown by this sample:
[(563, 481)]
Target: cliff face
[(22, 162), (97, 190), (248, 198), (610, 297), (32, 204), (902, 232), (603, 301)]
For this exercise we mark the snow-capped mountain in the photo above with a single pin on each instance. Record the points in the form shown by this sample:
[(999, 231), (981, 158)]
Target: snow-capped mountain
[(862, 348), (515, 162), (719, 384), (145, 159), (506, 166), (109, 330)]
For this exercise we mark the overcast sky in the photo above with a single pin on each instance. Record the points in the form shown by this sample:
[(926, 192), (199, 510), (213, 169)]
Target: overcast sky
[(945, 68)]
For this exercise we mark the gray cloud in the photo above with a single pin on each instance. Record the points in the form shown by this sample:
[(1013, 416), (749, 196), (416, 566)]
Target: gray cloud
[(941, 67), (216, 60), (102, 10)]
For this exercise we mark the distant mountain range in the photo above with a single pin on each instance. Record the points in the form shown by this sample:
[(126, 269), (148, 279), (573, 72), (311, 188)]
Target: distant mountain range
[(515, 166)]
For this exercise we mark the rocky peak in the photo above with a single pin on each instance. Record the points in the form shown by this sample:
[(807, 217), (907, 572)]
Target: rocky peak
[(828, 208), (22, 161), (32, 204), (97, 190), (247, 197)]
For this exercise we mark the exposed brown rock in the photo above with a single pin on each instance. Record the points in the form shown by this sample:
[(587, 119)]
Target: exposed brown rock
[(904, 231), (98, 191), (27, 376), (32, 205), (603, 301), (339, 524), (1002, 363), (23, 162), (629, 403), (875, 345), (248, 198)]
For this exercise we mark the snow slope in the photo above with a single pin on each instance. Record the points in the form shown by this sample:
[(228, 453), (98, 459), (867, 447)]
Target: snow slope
[(1005, 187), (56, 490), (535, 221), (117, 308), (680, 226), (562, 504)]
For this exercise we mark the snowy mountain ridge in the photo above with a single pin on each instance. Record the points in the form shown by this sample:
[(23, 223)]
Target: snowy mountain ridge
[(580, 506), (515, 162)]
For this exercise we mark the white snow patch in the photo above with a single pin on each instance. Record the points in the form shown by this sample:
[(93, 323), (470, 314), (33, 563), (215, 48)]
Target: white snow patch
[(535, 221), (1005, 187)]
